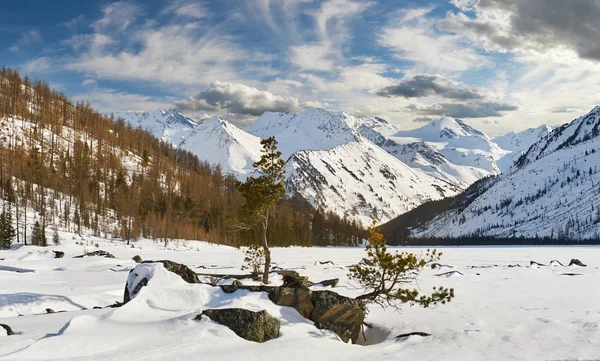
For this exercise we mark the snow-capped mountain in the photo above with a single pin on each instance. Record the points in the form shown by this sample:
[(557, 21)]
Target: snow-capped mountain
[(170, 126), (361, 167), (519, 143), (360, 180), (552, 191), (220, 142)]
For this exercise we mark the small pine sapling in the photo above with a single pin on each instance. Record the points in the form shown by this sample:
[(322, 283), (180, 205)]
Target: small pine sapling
[(254, 260), (383, 274)]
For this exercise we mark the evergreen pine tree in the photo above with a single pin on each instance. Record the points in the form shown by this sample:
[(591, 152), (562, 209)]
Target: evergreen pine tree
[(7, 231), (56, 238), (261, 194), (38, 235)]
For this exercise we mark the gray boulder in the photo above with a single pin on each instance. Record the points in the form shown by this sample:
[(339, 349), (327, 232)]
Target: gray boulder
[(9, 331), (180, 269), (340, 314), (249, 325)]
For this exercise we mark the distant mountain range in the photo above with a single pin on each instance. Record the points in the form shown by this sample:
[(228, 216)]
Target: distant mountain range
[(360, 167), (553, 190)]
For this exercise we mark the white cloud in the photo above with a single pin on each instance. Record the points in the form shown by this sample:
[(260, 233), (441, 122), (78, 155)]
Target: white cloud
[(113, 101), (312, 57), (117, 16), (411, 36), (185, 9), (238, 99)]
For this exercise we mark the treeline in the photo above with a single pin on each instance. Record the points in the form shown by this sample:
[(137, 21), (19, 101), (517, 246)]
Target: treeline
[(79, 169), (495, 241)]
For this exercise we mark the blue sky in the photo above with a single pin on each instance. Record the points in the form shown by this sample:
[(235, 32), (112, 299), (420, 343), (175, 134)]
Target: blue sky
[(499, 64)]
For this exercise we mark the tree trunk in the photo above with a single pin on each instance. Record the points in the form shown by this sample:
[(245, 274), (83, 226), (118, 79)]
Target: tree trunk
[(265, 246)]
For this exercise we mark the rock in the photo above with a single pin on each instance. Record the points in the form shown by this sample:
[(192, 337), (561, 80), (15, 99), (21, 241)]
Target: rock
[(534, 263), (180, 269), (556, 263), (127, 296), (97, 308), (571, 274), (450, 274), (342, 315), (422, 334), (439, 266), (249, 325), (59, 254), (137, 259), (294, 280), (332, 282), (49, 310), (576, 262), (9, 331), (298, 298), (99, 253)]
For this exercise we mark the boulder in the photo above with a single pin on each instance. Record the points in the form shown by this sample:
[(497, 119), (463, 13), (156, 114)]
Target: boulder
[(249, 325), (49, 310), (137, 259), (99, 253), (127, 295), (332, 282), (292, 279), (342, 315), (181, 270), (576, 262), (534, 263), (9, 331), (59, 254)]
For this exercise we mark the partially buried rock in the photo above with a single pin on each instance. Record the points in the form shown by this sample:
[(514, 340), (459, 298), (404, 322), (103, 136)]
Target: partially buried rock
[(342, 315), (99, 253), (576, 262), (180, 269), (249, 325), (137, 259), (49, 310), (9, 331), (332, 282), (141, 274), (537, 264), (294, 280), (59, 254)]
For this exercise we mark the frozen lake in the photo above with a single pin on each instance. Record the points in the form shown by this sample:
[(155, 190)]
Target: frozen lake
[(504, 309)]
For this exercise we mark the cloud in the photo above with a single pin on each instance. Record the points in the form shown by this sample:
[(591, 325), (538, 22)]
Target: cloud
[(464, 110), (413, 36), (238, 99), (423, 120), (424, 85), (535, 25), (39, 65), (317, 56), (117, 16), (187, 10), (31, 36), (112, 100)]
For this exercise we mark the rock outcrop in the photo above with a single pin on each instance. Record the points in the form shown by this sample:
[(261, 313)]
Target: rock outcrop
[(249, 325)]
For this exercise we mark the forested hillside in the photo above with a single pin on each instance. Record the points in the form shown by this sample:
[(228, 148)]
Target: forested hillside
[(67, 166)]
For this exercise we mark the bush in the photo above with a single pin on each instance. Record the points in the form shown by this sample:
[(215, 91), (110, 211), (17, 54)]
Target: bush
[(383, 273), (254, 260)]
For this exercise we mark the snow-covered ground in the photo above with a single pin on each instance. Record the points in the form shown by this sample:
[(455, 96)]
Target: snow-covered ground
[(499, 313)]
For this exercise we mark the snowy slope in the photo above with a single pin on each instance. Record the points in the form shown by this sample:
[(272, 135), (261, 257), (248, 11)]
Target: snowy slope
[(220, 142), (359, 179), (554, 191), (169, 126), (311, 129), (519, 143), (499, 313)]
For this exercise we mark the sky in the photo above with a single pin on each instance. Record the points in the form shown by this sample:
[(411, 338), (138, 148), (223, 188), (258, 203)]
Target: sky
[(499, 65)]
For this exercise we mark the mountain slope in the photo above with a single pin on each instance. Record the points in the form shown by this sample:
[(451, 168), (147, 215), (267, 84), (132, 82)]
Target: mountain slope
[(358, 179), (224, 144), (553, 191), (169, 126)]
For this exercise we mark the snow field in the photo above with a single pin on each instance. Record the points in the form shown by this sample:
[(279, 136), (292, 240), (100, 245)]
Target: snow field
[(499, 313)]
